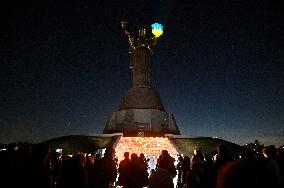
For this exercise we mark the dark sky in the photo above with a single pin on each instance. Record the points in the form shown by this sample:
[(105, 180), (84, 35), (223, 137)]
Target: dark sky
[(219, 67)]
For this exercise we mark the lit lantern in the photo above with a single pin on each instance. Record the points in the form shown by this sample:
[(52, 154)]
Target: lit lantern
[(157, 29)]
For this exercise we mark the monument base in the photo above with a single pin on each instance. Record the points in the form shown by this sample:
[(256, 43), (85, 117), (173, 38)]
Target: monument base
[(141, 122)]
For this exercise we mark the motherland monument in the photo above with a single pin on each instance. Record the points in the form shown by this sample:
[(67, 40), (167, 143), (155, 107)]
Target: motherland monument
[(141, 112)]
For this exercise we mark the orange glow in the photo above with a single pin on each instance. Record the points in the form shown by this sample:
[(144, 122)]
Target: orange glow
[(150, 146)]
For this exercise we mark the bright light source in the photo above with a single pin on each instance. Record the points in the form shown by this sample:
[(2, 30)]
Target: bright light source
[(149, 146), (157, 29), (58, 150)]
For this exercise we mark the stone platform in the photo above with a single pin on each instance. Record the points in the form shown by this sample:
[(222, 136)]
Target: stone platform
[(141, 122)]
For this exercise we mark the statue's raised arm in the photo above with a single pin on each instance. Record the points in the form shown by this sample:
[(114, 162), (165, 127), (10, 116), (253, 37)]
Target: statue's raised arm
[(130, 38)]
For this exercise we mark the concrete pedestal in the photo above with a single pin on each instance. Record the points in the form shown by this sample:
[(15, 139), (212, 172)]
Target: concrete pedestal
[(141, 122)]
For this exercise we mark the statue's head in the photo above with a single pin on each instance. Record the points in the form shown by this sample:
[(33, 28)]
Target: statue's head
[(123, 23), (142, 32)]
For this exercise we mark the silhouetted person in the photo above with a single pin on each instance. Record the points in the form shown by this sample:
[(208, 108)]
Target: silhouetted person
[(209, 175), (55, 163), (107, 170), (186, 171), (197, 169), (8, 165), (89, 167), (39, 167), (73, 174), (223, 156), (280, 160), (161, 178), (133, 180), (180, 172), (247, 174), (96, 171), (143, 170), (124, 170), (166, 162), (270, 155)]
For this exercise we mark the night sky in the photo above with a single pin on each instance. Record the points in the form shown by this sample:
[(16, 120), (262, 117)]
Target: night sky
[(219, 67)]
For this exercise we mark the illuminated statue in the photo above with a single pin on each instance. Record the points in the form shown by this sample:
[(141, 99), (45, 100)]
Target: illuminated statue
[(141, 112), (141, 48)]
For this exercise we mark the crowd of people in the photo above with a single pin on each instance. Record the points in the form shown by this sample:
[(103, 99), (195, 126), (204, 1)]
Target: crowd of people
[(35, 166)]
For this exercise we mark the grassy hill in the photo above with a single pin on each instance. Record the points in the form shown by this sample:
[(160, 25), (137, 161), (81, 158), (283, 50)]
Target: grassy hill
[(206, 145), (80, 143)]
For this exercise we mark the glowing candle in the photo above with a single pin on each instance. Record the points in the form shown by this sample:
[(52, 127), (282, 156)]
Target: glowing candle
[(150, 146)]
